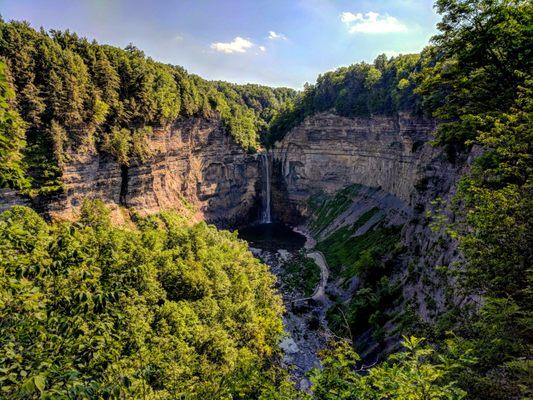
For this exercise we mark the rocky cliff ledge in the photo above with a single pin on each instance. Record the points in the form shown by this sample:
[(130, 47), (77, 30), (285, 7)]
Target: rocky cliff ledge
[(327, 152), (193, 164)]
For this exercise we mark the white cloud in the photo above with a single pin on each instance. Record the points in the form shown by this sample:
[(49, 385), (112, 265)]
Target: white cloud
[(262, 48), (178, 38), (276, 36), (348, 17), (237, 45), (372, 22)]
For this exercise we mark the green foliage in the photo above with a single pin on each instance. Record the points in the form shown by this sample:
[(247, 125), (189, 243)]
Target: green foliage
[(477, 80), (481, 57), (360, 90), (124, 144), (301, 273), (497, 197), (88, 310), (117, 143), (499, 335), (241, 123), (165, 311), (12, 138), (417, 373), (349, 255), (366, 308), (261, 100), (326, 210), (343, 249), (497, 194), (59, 138)]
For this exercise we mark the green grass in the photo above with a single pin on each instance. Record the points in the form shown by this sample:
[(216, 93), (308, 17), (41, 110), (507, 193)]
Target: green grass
[(326, 208), (301, 273), (343, 250), (362, 256)]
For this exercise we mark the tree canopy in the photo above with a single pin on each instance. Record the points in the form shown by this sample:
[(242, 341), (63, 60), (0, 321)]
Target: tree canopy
[(384, 87), (163, 310)]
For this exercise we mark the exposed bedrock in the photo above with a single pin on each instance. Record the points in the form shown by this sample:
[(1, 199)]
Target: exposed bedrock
[(327, 152), (193, 164)]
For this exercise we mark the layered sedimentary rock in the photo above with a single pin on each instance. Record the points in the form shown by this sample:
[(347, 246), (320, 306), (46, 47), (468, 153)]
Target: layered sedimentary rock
[(193, 164), (327, 152), (10, 198)]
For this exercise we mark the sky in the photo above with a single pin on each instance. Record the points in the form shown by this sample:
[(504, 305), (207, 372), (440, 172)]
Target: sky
[(274, 42)]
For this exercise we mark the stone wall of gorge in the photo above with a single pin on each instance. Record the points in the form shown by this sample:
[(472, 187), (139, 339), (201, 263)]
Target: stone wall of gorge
[(327, 152), (394, 155), (193, 164)]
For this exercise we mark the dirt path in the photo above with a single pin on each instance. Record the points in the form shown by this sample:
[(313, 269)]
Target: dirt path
[(318, 257), (320, 260)]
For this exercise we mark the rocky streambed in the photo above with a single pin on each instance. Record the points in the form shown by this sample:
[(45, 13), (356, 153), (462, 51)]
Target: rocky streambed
[(305, 319)]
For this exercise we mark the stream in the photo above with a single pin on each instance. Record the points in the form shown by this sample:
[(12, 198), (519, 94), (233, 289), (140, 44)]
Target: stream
[(305, 317)]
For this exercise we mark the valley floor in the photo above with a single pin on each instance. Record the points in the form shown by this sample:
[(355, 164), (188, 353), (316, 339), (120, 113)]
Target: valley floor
[(305, 318)]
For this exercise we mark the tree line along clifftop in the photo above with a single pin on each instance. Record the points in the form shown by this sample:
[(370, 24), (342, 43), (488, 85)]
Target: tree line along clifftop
[(65, 91)]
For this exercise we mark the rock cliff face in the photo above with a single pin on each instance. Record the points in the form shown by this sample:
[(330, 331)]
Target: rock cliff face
[(194, 164), (393, 155), (327, 152), (10, 198)]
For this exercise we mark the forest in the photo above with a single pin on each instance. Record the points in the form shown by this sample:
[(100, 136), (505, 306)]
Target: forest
[(72, 93), (164, 309)]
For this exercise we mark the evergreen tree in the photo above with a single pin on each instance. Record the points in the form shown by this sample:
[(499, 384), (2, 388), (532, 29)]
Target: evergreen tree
[(12, 138)]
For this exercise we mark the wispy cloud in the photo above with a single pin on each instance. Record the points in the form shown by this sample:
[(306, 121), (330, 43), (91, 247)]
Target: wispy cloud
[(262, 48), (372, 22), (276, 36), (237, 45)]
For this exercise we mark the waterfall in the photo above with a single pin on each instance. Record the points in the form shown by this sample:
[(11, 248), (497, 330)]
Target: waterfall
[(265, 192)]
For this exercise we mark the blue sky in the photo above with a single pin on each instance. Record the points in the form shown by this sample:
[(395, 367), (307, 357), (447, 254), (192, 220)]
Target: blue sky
[(276, 43)]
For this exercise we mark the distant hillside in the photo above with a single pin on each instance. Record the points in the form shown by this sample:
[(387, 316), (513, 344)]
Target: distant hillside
[(385, 87)]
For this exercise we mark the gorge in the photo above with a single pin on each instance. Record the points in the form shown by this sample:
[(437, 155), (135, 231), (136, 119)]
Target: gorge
[(196, 165), (164, 236)]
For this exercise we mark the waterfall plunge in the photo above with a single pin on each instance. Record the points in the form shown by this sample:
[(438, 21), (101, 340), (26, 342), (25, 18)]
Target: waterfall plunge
[(265, 192)]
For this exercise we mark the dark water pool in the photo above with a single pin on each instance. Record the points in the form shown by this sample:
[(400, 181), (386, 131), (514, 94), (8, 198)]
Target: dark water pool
[(272, 237)]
